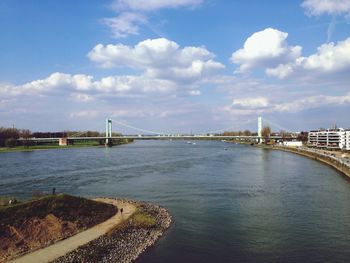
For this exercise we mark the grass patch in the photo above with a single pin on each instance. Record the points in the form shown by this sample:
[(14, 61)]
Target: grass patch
[(142, 219), (5, 201)]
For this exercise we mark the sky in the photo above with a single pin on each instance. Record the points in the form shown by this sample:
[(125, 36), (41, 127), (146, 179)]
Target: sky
[(174, 66)]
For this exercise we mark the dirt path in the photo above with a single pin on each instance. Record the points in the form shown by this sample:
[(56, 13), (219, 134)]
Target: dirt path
[(63, 247)]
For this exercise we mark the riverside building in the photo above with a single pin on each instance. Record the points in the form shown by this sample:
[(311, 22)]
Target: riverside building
[(337, 139)]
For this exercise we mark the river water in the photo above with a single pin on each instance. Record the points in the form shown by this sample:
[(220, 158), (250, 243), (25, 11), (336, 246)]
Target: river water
[(239, 204)]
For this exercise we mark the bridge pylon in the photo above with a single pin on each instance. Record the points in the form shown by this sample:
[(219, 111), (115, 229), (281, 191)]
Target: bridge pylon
[(109, 141), (260, 129)]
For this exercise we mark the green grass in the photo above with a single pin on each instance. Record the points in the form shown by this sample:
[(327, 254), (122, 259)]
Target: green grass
[(4, 201), (142, 219)]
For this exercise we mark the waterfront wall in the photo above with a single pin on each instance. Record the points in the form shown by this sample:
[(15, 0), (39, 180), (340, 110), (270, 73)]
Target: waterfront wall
[(330, 160)]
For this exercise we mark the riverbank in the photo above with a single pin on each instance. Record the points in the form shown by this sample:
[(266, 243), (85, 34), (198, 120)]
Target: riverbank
[(126, 242), (332, 161), (36, 224), (123, 237), (56, 147)]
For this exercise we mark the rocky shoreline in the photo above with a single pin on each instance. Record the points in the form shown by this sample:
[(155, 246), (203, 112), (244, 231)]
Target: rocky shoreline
[(126, 242), (337, 164)]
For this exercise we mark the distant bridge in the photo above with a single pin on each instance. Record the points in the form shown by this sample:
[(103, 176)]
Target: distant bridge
[(150, 137), (157, 136)]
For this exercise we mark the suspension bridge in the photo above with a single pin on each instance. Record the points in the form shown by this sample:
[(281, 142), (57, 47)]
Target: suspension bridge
[(150, 135)]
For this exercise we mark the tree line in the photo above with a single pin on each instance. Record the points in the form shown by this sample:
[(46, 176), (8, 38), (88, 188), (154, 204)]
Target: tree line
[(267, 132), (9, 136)]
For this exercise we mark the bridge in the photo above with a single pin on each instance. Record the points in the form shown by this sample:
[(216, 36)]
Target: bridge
[(154, 136)]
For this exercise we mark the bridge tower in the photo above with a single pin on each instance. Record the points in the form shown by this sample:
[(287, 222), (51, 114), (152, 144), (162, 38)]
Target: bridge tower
[(108, 132), (259, 129)]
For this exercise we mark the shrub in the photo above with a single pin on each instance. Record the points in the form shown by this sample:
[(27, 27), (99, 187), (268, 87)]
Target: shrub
[(10, 143)]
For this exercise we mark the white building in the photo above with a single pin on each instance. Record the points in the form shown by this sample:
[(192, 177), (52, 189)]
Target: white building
[(293, 143), (347, 140), (330, 139)]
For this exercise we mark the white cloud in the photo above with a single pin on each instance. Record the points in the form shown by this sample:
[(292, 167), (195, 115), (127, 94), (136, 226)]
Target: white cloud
[(125, 24), (160, 58), (84, 114), (260, 105), (134, 85), (84, 88), (267, 48), (195, 92), (82, 97), (251, 103), (117, 85), (152, 5), (330, 7), (330, 58), (313, 102), (133, 13)]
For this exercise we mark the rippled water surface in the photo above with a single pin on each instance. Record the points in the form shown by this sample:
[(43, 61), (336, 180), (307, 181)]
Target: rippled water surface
[(239, 204)]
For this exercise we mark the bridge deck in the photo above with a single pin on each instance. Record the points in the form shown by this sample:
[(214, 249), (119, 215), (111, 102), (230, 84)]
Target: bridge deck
[(151, 137)]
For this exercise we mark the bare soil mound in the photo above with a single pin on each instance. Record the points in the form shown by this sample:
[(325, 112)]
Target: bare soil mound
[(29, 226)]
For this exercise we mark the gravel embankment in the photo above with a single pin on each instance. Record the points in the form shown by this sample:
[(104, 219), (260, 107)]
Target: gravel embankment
[(126, 242)]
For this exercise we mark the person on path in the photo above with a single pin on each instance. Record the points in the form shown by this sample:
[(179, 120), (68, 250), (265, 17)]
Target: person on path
[(121, 210)]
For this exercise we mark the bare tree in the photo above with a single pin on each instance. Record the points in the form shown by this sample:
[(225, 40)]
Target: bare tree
[(266, 133), (247, 133)]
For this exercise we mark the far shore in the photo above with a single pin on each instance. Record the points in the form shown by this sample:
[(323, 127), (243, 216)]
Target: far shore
[(53, 147)]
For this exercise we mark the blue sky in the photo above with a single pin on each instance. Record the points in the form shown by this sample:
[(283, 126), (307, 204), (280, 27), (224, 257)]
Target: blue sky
[(176, 65)]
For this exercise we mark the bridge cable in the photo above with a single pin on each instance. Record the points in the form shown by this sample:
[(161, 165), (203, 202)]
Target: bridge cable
[(138, 129)]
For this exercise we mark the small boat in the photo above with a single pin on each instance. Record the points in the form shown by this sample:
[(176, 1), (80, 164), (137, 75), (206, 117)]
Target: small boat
[(189, 142), (194, 143)]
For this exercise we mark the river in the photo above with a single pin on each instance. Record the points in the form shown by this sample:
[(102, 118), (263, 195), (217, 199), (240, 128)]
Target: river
[(230, 203)]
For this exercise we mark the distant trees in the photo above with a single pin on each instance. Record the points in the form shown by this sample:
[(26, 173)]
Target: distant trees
[(303, 136), (10, 142), (265, 132), (237, 133), (247, 133), (49, 134), (6, 134), (9, 136)]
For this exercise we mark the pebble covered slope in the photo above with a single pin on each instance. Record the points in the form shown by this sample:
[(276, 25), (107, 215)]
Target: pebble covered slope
[(126, 242)]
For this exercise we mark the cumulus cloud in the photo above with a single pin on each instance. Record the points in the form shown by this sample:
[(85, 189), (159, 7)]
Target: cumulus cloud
[(251, 103), (330, 7), (261, 105), (266, 48), (330, 58), (160, 58), (133, 13), (77, 84)]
